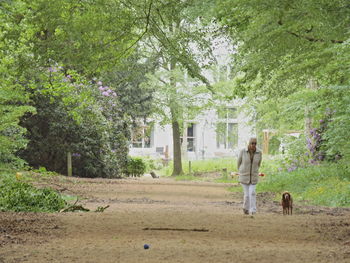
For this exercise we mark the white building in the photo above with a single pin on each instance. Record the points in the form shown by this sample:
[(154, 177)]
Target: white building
[(211, 135)]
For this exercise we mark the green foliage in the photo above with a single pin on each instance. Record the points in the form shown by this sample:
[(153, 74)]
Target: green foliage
[(99, 145), (13, 98), (51, 55), (135, 167), (183, 102), (151, 163), (11, 133), (327, 108), (19, 196), (327, 184), (281, 45), (86, 36), (295, 153), (335, 137)]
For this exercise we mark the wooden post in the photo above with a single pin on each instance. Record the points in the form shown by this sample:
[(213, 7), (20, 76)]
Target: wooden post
[(189, 167), (166, 152), (69, 164)]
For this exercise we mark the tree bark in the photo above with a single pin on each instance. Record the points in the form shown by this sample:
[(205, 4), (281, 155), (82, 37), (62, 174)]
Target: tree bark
[(184, 142), (174, 111), (177, 169)]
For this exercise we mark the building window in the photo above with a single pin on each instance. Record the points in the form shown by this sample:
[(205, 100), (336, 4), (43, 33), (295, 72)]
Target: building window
[(227, 129), (227, 113), (226, 135), (142, 135), (191, 137)]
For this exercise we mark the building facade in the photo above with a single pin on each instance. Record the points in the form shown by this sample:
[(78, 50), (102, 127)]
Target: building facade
[(213, 134)]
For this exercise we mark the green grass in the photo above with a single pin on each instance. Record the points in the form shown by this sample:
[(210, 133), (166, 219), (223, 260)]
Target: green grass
[(327, 184), (203, 166)]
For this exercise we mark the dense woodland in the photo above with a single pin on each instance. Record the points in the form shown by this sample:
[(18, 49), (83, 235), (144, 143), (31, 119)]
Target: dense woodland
[(75, 76)]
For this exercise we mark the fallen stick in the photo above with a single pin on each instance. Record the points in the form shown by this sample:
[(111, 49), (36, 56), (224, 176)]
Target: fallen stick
[(101, 208), (74, 208), (176, 229)]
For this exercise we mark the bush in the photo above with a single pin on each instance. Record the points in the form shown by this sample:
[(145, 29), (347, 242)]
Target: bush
[(99, 147), (296, 154), (19, 196), (135, 167), (151, 163)]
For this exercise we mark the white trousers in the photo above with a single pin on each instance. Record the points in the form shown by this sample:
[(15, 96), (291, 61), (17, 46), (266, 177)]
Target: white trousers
[(249, 201)]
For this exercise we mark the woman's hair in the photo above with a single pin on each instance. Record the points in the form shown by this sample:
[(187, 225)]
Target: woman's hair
[(251, 139)]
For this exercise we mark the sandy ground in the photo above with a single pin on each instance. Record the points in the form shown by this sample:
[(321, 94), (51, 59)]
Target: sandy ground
[(180, 221)]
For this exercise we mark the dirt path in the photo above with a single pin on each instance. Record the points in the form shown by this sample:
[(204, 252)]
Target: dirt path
[(181, 222)]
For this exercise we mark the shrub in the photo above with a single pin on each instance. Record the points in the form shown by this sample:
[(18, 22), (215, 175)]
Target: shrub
[(135, 167), (99, 147), (19, 196), (151, 163)]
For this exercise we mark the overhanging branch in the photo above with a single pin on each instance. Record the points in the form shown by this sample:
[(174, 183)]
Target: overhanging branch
[(311, 39)]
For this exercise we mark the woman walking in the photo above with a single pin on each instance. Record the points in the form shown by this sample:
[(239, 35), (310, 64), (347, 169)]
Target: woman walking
[(248, 164)]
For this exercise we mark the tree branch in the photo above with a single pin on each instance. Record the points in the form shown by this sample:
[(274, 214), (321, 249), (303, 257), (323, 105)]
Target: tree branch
[(181, 57), (146, 27), (311, 39)]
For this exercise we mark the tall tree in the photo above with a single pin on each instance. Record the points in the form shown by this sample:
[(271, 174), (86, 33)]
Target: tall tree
[(284, 44), (13, 97), (176, 34), (48, 49)]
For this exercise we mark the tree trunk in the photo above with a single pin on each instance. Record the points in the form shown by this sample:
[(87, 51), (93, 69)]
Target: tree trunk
[(177, 169), (175, 115), (184, 142)]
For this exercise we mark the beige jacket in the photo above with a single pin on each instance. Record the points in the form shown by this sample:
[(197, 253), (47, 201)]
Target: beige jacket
[(249, 171)]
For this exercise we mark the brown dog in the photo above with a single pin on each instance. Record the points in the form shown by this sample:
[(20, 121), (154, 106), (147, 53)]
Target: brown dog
[(287, 203)]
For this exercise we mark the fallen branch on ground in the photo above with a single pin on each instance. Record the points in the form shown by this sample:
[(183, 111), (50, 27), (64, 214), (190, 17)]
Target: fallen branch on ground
[(101, 208), (176, 229), (75, 207)]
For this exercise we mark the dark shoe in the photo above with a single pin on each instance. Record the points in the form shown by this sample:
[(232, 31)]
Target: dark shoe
[(245, 211)]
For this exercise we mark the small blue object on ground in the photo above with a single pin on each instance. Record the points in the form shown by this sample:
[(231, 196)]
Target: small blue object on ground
[(145, 246)]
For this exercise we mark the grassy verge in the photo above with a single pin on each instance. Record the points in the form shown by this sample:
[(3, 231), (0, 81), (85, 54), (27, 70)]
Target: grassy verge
[(202, 166), (17, 194), (327, 184)]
